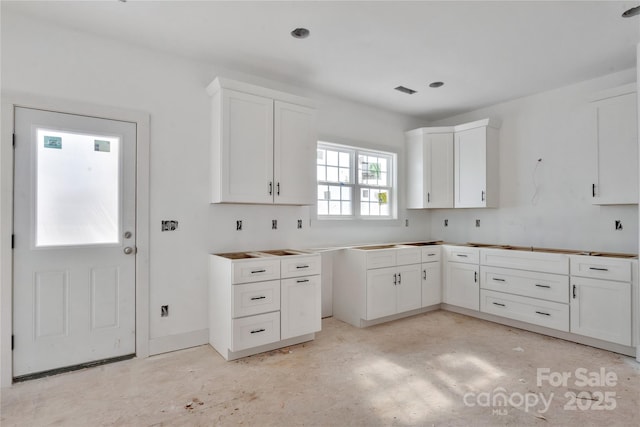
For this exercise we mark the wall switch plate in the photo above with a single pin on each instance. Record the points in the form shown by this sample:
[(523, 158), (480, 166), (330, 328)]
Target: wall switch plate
[(446, 222), (274, 224), (239, 225), (299, 224), (168, 225), (477, 223), (618, 224), (164, 311)]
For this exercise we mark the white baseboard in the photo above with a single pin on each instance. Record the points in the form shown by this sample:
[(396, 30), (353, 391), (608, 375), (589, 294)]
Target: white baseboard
[(178, 341)]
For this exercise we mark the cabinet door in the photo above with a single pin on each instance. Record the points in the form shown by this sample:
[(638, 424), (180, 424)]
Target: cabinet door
[(408, 288), (431, 284), (381, 292), (416, 171), (616, 150), (295, 143), (601, 309), (246, 151), (471, 168), (439, 164), (462, 288), (300, 306)]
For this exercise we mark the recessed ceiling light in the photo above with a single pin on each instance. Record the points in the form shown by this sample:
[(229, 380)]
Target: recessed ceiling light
[(436, 84), (405, 90), (300, 33), (634, 11)]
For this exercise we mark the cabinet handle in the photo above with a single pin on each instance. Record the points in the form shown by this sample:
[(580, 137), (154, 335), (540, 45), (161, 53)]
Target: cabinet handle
[(499, 304), (593, 190), (270, 188), (498, 280), (257, 331), (431, 254), (302, 266), (257, 298), (395, 279), (462, 255), (598, 269), (424, 274), (574, 291), (428, 197), (483, 195), (278, 189), (302, 281), (399, 278), (258, 271), (542, 286), (475, 276), (543, 313)]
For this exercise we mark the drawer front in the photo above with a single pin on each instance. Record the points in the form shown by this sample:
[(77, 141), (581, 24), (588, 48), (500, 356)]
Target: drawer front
[(255, 298), (601, 268), (538, 312), (296, 266), (255, 331), (406, 256), (381, 258), (431, 253), (463, 254), (256, 270), (525, 260), (551, 287)]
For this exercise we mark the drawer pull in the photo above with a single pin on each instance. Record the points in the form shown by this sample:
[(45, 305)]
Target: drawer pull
[(257, 298), (500, 304), (302, 266), (257, 331), (498, 280), (462, 255), (302, 281), (543, 313), (431, 254), (598, 269), (258, 271), (542, 286)]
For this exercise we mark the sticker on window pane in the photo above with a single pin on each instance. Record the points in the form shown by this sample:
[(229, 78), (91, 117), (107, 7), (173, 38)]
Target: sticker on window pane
[(382, 198), (53, 142), (100, 145), (365, 194)]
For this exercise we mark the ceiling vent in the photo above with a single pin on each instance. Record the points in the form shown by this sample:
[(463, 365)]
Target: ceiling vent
[(405, 90)]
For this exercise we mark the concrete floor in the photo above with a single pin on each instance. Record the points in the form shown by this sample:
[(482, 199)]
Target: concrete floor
[(439, 368)]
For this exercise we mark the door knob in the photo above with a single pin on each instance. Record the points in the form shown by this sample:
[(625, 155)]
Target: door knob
[(128, 250)]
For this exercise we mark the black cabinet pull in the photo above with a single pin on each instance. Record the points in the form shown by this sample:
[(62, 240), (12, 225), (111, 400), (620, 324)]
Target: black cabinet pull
[(542, 286), (399, 278), (395, 279), (428, 197), (302, 266), (258, 271), (598, 269), (257, 298), (462, 255), (483, 195), (475, 276), (543, 313), (574, 291), (278, 189), (302, 281), (424, 274), (270, 188), (499, 304), (431, 254), (498, 280), (593, 190), (257, 331)]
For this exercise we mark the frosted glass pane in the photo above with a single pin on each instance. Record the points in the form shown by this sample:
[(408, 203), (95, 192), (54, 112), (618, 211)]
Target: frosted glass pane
[(332, 158), (77, 189), (322, 173), (332, 174), (345, 160)]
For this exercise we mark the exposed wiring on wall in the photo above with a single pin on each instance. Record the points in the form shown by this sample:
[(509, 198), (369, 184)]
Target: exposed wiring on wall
[(536, 187)]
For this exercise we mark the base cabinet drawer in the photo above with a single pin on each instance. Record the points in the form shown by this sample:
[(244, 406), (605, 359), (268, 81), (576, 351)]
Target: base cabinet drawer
[(255, 270), (601, 268), (538, 312), (255, 298), (255, 331), (299, 266), (550, 287)]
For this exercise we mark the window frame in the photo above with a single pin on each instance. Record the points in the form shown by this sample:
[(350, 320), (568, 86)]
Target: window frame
[(356, 186)]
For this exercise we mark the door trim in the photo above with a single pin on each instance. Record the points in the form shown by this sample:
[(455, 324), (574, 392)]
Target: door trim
[(141, 119)]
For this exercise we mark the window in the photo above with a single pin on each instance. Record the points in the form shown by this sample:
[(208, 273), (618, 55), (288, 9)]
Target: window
[(354, 183)]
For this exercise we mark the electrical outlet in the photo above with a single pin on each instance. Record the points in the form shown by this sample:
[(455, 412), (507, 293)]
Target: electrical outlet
[(274, 224), (446, 222), (477, 223), (168, 225), (618, 224), (239, 225), (299, 224), (164, 311)]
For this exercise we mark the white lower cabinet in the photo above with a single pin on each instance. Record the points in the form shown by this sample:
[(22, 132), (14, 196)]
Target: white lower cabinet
[(431, 284), (393, 290), (462, 288), (601, 309), (260, 302), (531, 310)]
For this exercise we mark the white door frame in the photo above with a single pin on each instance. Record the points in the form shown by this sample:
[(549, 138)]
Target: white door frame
[(9, 102)]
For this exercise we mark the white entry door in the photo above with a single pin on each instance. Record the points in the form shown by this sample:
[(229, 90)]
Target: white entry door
[(74, 240)]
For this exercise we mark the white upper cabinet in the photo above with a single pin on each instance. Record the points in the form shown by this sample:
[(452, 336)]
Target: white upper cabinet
[(263, 145), (616, 147), (430, 168), (476, 170)]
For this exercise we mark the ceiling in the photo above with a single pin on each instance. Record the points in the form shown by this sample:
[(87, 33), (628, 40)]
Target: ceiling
[(484, 52)]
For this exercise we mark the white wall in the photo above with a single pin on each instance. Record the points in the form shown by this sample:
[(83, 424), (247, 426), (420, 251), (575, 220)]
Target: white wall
[(41, 59), (557, 127)]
